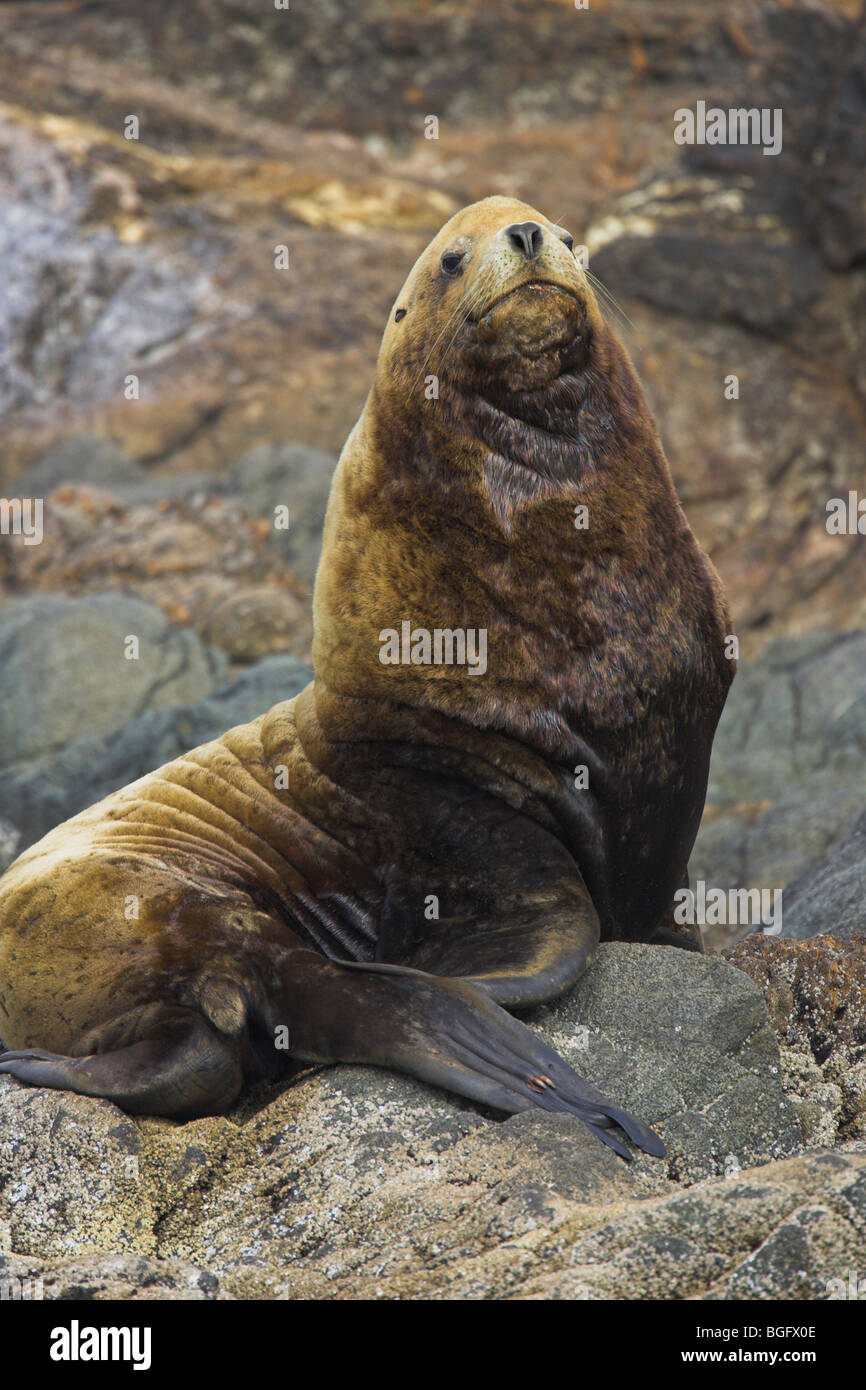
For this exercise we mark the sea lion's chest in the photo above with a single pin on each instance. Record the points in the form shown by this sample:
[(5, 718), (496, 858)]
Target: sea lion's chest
[(642, 734)]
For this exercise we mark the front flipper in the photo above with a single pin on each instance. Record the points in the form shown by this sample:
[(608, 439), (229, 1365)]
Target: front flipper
[(450, 1033)]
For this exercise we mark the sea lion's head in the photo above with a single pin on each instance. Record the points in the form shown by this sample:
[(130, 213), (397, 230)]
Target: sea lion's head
[(497, 304)]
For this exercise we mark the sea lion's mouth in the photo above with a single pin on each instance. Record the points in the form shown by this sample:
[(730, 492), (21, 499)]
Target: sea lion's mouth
[(534, 287)]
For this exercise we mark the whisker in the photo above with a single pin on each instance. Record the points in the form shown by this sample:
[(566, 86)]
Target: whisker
[(456, 320), (606, 296), (476, 299)]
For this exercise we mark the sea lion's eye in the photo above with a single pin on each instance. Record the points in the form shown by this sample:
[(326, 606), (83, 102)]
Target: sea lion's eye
[(568, 240), (400, 314), (452, 261)]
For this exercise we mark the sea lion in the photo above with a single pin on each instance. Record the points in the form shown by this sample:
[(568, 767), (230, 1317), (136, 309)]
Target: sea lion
[(442, 826)]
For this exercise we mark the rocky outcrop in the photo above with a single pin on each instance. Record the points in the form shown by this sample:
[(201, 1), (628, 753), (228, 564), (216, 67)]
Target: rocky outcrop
[(353, 1182), (155, 256), (70, 668), (204, 562)]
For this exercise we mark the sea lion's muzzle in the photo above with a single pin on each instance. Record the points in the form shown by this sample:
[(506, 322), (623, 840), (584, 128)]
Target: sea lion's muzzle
[(525, 264)]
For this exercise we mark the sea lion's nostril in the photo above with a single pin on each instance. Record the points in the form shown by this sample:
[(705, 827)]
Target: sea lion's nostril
[(527, 237)]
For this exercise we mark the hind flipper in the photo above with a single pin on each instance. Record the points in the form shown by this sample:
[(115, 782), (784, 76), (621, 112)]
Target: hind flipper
[(183, 1069)]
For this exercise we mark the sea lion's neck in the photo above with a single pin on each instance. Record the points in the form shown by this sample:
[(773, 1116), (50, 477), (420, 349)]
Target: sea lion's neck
[(547, 522)]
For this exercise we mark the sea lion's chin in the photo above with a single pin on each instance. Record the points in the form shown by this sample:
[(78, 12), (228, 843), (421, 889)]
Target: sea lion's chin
[(532, 317), (531, 336)]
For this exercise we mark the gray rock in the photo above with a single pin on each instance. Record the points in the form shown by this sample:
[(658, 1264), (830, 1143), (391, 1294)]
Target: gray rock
[(50, 790), (695, 1054), (53, 279), (84, 460), (10, 843), (786, 778), (65, 675), (829, 897), (796, 709), (180, 487), (765, 287), (79, 309), (141, 323), (298, 477)]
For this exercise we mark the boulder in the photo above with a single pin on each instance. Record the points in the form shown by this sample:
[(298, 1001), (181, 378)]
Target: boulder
[(87, 459), (66, 675), (829, 896), (786, 782), (293, 476)]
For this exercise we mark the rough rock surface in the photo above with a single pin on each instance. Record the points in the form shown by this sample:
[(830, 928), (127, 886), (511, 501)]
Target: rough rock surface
[(82, 1278), (829, 896), (88, 459), (816, 995), (295, 477)]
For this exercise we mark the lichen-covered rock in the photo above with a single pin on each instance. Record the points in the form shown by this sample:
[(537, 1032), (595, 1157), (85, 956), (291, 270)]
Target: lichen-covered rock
[(68, 1177), (787, 1230), (86, 1277), (816, 996)]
